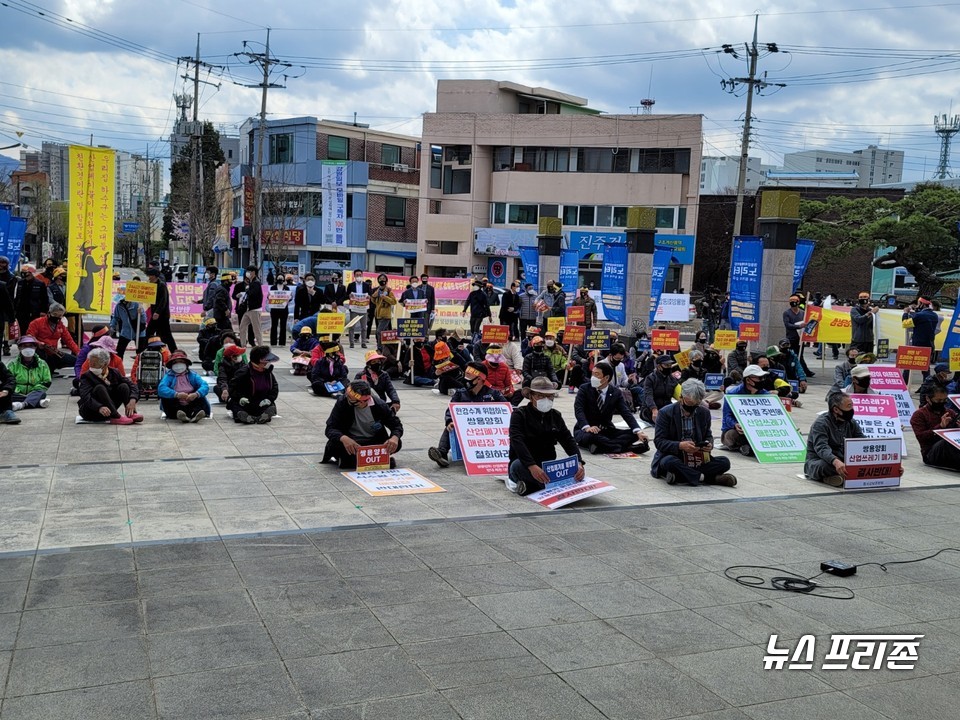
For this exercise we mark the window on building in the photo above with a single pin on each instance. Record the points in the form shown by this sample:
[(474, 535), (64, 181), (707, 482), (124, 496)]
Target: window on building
[(665, 217), (620, 216), (237, 207), (395, 213), (349, 205), (522, 214), (455, 182), (682, 219), (389, 155), (434, 207), (550, 211), (595, 160), (502, 158), (436, 167), (338, 148), (499, 213), (621, 160), (604, 215), (587, 215), (281, 149), (570, 213), (460, 154)]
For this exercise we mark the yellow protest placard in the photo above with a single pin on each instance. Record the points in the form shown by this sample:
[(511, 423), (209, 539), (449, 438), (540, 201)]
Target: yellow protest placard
[(835, 327), (140, 292), (330, 323), (92, 208), (683, 359), (954, 359), (555, 324), (725, 340)]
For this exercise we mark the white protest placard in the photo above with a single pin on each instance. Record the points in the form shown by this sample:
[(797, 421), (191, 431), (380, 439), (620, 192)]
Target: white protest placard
[(768, 428), (673, 307), (483, 433), (399, 481), (871, 463), (279, 299), (878, 418), (955, 399), (554, 495), (952, 436), (415, 306), (905, 406)]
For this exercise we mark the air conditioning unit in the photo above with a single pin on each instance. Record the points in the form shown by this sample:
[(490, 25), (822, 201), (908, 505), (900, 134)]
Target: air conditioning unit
[(401, 167)]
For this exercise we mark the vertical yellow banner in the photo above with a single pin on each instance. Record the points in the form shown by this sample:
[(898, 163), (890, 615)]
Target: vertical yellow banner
[(89, 255)]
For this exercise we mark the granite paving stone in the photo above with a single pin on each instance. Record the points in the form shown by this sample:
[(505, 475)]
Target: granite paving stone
[(580, 645), (433, 620), (122, 700), (226, 646), (309, 634)]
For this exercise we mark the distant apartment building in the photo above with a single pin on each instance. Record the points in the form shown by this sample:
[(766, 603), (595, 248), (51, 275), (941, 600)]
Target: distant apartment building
[(497, 156), (873, 165), (720, 175)]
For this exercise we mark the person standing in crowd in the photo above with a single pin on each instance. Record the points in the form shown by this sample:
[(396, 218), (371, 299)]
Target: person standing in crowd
[(528, 309), (158, 320), (590, 307), (383, 301), (30, 297), (359, 419), (32, 377), (933, 415), (431, 295), (684, 442), (307, 300), (827, 438), (8, 385), (862, 317), (250, 330), (280, 313), (732, 436), (510, 311), (124, 320), (535, 431), (183, 393), (105, 394), (254, 391), (57, 289), (335, 293), (477, 306), (925, 328), (793, 322), (594, 407), (56, 345), (213, 284), (8, 315), (476, 390), (414, 299), (358, 298), (49, 266)]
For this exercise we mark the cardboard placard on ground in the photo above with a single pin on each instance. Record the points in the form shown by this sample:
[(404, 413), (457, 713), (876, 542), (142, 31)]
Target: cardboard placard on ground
[(483, 433), (666, 340), (768, 428), (750, 332), (574, 334), (952, 436), (557, 496), (141, 292), (905, 406), (877, 416), (400, 481), (372, 457), (910, 357), (495, 334), (576, 314), (871, 463), (725, 340), (330, 323)]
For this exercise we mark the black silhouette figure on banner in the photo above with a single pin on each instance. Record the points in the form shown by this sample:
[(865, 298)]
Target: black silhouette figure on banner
[(90, 269)]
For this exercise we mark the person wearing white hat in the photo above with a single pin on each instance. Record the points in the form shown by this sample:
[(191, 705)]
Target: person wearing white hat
[(732, 436), (860, 382)]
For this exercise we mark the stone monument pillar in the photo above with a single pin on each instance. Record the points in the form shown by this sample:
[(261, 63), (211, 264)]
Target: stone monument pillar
[(777, 224), (641, 229), (549, 243)]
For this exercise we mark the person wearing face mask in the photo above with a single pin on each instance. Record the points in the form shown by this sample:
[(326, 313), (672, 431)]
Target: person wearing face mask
[(584, 300), (659, 388), (383, 301), (335, 293), (826, 440), (477, 305), (860, 382), (328, 370), (841, 373), (414, 299), (8, 282), (862, 316), (554, 350), (279, 310), (55, 344), (211, 277), (700, 343), (105, 394), (7, 387), (732, 436), (358, 298), (793, 321), (535, 431), (792, 365), (510, 310), (537, 364), (738, 359), (380, 382), (208, 342), (359, 419), (29, 298), (423, 366), (183, 393), (254, 390), (475, 390), (682, 437), (431, 294), (57, 289), (596, 403), (933, 415), (498, 374), (32, 377), (46, 277), (233, 359), (307, 300), (227, 338), (941, 378), (528, 310), (250, 330)]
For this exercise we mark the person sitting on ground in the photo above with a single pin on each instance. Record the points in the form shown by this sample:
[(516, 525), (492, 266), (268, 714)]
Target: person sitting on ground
[(538, 364), (232, 361), (423, 372), (860, 382), (54, 342), (535, 431), (359, 419), (529, 335), (826, 441), (329, 376), (105, 394), (554, 350), (732, 436), (941, 377), (684, 442), (208, 342), (791, 364), (227, 338), (841, 373), (498, 375), (32, 377), (380, 381), (448, 372), (738, 359), (254, 390), (932, 416), (8, 385), (302, 350), (659, 388), (773, 384), (476, 391), (97, 332), (594, 407), (110, 345), (183, 393)]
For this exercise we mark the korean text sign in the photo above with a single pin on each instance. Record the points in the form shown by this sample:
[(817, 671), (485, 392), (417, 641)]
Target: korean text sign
[(769, 429), (745, 277), (483, 433), (871, 463), (666, 340)]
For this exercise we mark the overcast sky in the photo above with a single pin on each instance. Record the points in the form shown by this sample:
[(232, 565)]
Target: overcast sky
[(856, 71)]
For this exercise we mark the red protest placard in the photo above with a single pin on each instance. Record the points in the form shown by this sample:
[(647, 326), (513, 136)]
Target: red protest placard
[(576, 314), (913, 358), (373, 457), (495, 334), (749, 332), (388, 336), (667, 340), (574, 334)]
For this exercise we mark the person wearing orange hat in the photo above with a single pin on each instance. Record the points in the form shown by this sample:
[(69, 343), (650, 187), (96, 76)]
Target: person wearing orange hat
[(379, 380), (183, 393)]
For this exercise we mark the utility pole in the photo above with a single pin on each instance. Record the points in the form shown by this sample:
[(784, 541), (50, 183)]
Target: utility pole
[(754, 85)]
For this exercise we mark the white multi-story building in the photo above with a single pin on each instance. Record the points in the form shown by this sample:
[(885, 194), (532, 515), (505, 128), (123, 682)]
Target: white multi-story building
[(874, 165), (719, 175)]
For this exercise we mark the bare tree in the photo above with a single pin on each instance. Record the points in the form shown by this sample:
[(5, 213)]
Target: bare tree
[(284, 219)]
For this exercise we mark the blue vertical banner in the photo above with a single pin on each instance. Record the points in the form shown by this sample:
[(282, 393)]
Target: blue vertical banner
[(4, 232), (613, 283), (952, 338), (658, 277), (530, 257), (801, 260), (569, 273), (15, 237), (746, 273)]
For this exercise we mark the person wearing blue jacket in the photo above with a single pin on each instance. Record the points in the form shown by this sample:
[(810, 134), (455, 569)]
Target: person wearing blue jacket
[(925, 328), (183, 393), (123, 323), (732, 436)]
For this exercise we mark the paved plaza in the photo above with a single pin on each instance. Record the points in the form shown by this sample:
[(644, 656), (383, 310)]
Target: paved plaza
[(218, 571)]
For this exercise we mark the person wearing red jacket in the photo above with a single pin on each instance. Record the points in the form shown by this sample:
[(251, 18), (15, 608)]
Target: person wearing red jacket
[(499, 376), (933, 416), (56, 345)]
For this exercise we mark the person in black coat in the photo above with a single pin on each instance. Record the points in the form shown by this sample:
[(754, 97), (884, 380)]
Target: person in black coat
[(307, 300), (105, 394), (431, 294), (594, 407), (232, 361), (359, 419), (250, 329), (476, 391), (220, 302), (335, 293), (159, 322), (254, 389), (328, 370), (510, 311), (478, 306), (8, 385), (379, 380), (538, 363)]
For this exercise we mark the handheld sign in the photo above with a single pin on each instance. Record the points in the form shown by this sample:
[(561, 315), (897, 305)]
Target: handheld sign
[(713, 381), (373, 457), (878, 418), (561, 471), (141, 292), (574, 334), (955, 359), (596, 340), (683, 359), (871, 463), (495, 334), (883, 349), (415, 306), (887, 380), (334, 387), (913, 358), (750, 332), (388, 337), (562, 488), (278, 299), (769, 430), (330, 323), (555, 324), (412, 328), (952, 436), (483, 433), (576, 314), (725, 340), (666, 340)]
